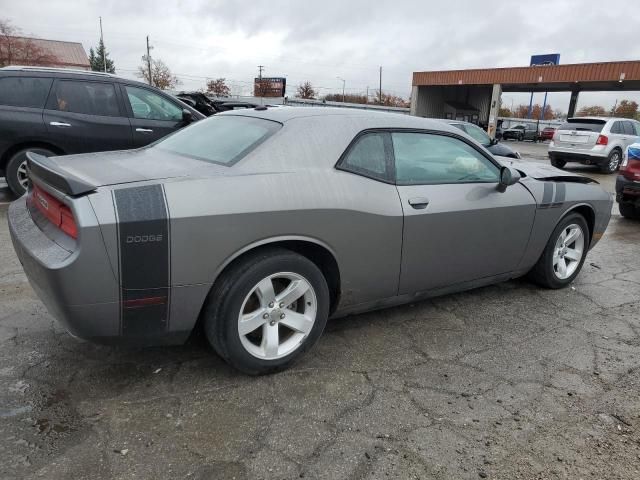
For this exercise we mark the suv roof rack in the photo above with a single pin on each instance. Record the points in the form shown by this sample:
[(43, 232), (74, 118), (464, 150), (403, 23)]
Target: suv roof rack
[(57, 69)]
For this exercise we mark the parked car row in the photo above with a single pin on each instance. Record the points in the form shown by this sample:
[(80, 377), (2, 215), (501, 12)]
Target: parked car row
[(54, 111), (208, 106), (528, 132)]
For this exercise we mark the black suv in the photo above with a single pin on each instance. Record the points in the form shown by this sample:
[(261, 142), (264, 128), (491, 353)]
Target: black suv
[(55, 111)]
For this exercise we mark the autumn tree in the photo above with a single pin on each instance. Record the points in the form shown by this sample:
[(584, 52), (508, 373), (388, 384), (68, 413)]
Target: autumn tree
[(218, 87), (161, 75), (305, 90), (16, 50), (99, 57), (522, 111), (626, 109), (591, 111), (505, 112)]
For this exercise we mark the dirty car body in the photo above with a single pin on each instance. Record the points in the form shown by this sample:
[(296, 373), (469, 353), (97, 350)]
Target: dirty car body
[(155, 228)]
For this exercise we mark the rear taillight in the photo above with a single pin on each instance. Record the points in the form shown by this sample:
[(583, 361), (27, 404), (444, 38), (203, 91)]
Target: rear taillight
[(630, 169), (602, 140), (54, 210)]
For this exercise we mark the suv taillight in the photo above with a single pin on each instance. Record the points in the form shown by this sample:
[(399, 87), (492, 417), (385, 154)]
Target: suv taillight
[(602, 140), (54, 210), (630, 168)]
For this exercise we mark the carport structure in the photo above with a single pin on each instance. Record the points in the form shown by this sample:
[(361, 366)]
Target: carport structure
[(433, 92)]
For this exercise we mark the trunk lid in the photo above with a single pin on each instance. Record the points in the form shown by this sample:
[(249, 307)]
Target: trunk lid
[(80, 174), (579, 133)]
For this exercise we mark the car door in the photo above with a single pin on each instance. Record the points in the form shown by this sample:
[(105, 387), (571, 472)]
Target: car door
[(458, 226), (152, 115), (617, 136), (86, 116)]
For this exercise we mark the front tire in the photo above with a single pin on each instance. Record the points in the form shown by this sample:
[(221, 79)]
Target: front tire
[(521, 137), (564, 255), (16, 171), (630, 211), (612, 163), (266, 310), (558, 163)]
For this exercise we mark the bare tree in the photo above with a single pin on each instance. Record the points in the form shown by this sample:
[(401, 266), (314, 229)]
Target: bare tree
[(161, 75), (218, 87), (16, 50), (592, 111), (305, 90)]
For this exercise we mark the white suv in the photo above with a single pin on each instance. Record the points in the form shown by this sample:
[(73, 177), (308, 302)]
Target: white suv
[(593, 141)]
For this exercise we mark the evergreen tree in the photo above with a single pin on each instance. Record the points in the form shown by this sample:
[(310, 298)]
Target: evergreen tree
[(96, 59)]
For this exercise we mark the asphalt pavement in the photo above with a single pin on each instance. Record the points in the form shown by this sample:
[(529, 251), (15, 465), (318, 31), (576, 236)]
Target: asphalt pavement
[(509, 381)]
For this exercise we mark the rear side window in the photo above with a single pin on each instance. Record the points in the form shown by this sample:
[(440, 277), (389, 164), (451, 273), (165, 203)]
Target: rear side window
[(90, 98), (583, 124), (628, 128), (223, 140), (24, 91), (617, 127), (367, 156)]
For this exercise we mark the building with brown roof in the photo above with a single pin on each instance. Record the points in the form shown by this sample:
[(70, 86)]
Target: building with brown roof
[(56, 53)]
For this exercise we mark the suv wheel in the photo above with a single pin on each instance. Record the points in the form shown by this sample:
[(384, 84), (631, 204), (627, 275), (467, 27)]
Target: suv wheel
[(266, 311), (16, 171), (612, 163), (521, 137), (564, 254), (629, 210), (558, 163)]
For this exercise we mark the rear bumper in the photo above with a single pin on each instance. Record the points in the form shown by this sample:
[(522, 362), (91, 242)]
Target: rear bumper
[(78, 288), (587, 158), (627, 191)]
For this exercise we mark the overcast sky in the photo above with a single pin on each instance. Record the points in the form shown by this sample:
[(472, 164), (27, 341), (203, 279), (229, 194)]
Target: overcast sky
[(319, 41)]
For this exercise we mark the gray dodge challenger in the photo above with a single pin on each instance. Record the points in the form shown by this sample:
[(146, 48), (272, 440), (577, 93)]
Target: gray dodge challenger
[(258, 225)]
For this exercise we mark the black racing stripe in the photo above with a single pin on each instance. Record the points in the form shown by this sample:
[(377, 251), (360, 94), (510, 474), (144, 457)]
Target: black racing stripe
[(561, 189), (143, 230), (548, 193)]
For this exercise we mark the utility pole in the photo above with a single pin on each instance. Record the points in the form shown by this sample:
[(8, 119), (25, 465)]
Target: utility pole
[(260, 86), (343, 83), (149, 61), (104, 60), (380, 85), (366, 99)]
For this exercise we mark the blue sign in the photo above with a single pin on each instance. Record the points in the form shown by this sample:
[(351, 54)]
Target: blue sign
[(546, 59)]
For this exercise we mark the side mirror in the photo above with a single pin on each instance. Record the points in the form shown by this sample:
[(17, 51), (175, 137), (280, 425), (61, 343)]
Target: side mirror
[(508, 176), (187, 116)]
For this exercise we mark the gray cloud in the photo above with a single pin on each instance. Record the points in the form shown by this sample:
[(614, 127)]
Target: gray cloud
[(323, 40)]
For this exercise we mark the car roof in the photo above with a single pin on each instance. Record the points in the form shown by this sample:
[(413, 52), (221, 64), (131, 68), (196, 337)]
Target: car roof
[(604, 119), (337, 114), (53, 72)]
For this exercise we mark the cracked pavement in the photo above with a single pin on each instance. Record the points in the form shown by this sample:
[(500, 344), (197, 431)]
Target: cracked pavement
[(509, 381)]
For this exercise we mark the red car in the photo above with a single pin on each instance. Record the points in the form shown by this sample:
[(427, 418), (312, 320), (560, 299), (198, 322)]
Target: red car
[(547, 133)]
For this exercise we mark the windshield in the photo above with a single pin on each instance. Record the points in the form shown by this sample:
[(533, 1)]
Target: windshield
[(223, 139), (478, 134)]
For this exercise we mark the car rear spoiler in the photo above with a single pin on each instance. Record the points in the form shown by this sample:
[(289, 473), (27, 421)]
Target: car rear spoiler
[(50, 172)]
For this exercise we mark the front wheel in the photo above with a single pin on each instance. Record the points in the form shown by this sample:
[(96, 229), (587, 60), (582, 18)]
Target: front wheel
[(521, 137), (612, 163), (16, 171), (562, 258), (266, 310), (558, 163)]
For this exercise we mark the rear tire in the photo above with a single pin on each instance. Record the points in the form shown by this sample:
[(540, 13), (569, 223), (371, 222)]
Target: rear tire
[(246, 319), (558, 163), (560, 252), (521, 137), (16, 172), (612, 163), (630, 211)]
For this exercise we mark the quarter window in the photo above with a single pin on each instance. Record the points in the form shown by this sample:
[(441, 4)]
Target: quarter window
[(423, 158), (151, 106), (617, 128), (90, 98), (24, 91), (368, 157), (628, 128)]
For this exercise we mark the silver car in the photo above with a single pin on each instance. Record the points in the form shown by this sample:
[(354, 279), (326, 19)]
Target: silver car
[(593, 141), (261, 224)]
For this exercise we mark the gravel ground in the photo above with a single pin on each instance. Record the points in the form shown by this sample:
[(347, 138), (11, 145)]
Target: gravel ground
[(505, 382)]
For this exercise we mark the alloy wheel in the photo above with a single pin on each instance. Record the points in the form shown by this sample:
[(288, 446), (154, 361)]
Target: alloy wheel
[(23, 177), (614, 161), (277, 315), (568, 251)]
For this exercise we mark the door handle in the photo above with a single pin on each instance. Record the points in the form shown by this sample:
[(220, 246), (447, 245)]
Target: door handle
[(419, 203), (59, 124), (144, 130)]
